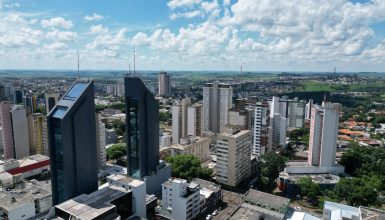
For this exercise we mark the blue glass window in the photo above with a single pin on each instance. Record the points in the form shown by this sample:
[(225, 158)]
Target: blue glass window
[(133, 137), (59, 112), (75, 91)]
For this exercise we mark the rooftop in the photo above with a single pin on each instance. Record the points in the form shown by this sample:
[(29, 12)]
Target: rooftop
[(317, 178), (90, 206), (267, 198), (247, 211), (33, 190), (125, 180)]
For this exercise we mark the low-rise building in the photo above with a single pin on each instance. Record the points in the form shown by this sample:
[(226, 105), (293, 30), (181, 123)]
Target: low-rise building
[(197, 146), (261, 205), (180, 200), (28, 167), (27, 200)]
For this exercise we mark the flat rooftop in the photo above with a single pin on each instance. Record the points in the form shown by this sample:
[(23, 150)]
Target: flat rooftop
[(267, 198), (247, 211), (207, 185), (90, 206), (125, 180), (33, 190), (317, 178)]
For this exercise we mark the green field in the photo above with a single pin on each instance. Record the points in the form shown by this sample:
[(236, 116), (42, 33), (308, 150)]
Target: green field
[(314, 86), (317, 86)]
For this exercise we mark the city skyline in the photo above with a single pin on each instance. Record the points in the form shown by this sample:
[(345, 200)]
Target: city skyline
[(194, 35)]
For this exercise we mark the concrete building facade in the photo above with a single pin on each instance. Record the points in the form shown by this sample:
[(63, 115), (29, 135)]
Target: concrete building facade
[(164, 84), (217, 100), (259, 129), (20, 131), (233, 150), (6, 132), (323, 134)]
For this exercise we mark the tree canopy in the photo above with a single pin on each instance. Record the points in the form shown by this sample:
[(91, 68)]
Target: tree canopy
[(188, 167), (116, 151), (272, 165)]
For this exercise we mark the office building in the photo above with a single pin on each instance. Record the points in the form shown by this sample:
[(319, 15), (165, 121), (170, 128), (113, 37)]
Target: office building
[(323, 134), (6, 132), (100, 142), (164, 84), (259, 129), (233, 150), (180, 200), (296, 113), (29, 101), (217, 100), (17, 96), (20, 132), (180, 120), (51, 100), (142, 129), (143, 137), (72, 143)]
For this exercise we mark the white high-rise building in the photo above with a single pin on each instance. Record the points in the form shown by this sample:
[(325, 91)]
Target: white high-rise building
[(274, 106), (217, 100), (180, 200), (194, 120), (296, 113), (20, 131), (278, 126), (308, 108), (259, 128), (323, 134), (101, 142), (180, 120), (233, 150), (164, 84)]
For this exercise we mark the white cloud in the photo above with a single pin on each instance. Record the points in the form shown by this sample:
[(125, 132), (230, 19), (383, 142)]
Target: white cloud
[(182, 3), (57, 22), (93, 17), (189, 14), (61, 35), (109, 45), (55, 46), (98, 29)]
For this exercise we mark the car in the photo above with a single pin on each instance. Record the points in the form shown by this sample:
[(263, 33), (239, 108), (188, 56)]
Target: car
[(297, 208), (209, 217), (215, 212)]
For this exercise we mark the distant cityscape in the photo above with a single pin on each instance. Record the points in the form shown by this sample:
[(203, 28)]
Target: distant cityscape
[(171, 145)]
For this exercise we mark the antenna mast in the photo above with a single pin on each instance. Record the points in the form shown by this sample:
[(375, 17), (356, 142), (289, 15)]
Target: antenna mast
[(77, 52), (134, 60)]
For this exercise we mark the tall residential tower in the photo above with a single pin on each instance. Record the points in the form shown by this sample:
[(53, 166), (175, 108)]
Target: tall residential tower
[(217, 100)]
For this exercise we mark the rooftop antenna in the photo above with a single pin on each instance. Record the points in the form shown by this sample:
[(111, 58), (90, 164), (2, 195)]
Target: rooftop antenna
[(77, 52), (134, 60)]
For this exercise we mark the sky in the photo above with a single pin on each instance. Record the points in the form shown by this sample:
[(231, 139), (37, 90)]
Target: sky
[(259, 35)]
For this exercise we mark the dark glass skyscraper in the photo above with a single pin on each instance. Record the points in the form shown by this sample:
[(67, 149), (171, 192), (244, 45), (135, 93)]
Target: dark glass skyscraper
[(72, 143), (142, 129)]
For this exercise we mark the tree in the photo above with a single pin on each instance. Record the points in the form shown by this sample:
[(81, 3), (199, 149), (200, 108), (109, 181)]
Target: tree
[(164, 116), (272, 165), (309, 188), (116, 151), (356, 191), (187, 166), (120, 127)]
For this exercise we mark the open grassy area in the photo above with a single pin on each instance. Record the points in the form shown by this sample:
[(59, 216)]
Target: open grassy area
[(315, 86)]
